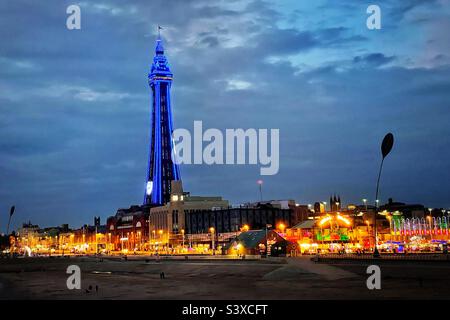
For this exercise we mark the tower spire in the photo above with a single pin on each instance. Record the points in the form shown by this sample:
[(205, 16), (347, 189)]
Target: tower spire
[(159, 46)]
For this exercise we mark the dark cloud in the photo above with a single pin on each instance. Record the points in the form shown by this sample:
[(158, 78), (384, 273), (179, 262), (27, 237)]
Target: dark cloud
[(210, 41), (374, 59), (400, 9), (338, 36), (286, 41)]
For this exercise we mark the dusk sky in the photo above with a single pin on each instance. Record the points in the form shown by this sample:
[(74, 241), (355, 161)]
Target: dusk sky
[(75, 104)]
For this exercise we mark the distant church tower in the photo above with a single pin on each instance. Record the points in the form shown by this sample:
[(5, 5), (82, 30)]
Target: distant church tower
[(335, 203), (161, 167)]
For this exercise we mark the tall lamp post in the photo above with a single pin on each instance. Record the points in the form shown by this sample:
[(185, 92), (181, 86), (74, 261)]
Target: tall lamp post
[(386, 147), (182, 234), (267, 240), (389, 217), (160, 239), (430, 221), (260, 183), (212, 237)]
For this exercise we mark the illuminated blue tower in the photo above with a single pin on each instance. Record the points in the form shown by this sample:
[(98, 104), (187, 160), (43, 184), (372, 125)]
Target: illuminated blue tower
[(161, 167)]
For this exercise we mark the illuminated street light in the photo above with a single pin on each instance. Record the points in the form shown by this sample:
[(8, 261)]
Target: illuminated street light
[(161, 232), (430, 219), (212, 236), (182, 234), (389, 217), (260, 183)]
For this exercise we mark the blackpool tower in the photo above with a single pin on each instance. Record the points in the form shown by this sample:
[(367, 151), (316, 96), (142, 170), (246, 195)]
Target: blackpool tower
[(162, 168)]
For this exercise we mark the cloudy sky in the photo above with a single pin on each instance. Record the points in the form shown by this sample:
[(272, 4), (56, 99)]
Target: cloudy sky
[(74, 105)]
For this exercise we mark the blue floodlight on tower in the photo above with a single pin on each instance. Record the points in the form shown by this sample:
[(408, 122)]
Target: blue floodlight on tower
[(162, 169)]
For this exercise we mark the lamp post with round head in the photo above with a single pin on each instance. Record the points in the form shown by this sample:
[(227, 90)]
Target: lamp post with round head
[(260, 183)]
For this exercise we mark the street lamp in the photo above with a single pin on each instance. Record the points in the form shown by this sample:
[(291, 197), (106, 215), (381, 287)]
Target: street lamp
[(182, 234), (267, 240), (245, 228), (390, 228), (96, 240), (139, 236), (430, 221), (153, 237), (161, 239), (212, 236), (260, 183), (325, 205), (365, 203), (281, 227), (368, 229), (430, 218)]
